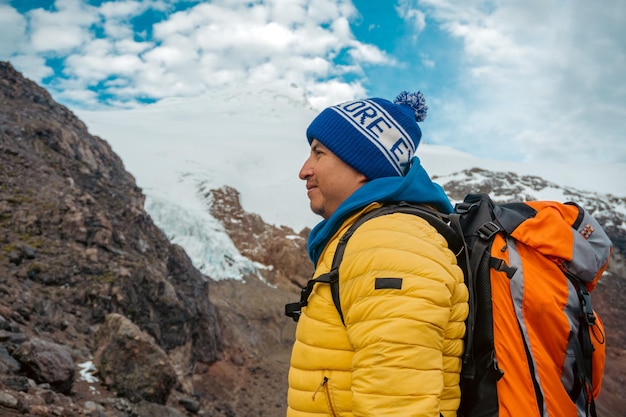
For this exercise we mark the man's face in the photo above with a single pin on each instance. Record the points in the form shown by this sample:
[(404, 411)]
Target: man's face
[(329, 180)]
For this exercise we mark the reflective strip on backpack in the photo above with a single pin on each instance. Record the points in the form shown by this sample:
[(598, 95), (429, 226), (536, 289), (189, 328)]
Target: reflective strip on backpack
[(517, 294)]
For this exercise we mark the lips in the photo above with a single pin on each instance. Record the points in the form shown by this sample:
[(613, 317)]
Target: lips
[(310, 187)]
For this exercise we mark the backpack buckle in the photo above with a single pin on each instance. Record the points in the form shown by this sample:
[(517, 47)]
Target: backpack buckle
[(294, 310), (463, 207), (585, 305), (488, 230)]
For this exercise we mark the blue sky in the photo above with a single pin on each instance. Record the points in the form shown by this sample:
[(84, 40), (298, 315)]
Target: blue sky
[(537, 81)]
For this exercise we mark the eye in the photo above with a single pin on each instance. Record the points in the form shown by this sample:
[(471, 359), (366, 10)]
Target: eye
[(317, 151)]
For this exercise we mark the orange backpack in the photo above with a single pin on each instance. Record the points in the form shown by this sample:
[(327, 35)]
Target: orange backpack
[(534, 346)]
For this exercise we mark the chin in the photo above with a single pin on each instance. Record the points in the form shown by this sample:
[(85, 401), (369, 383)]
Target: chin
[(318, 210)]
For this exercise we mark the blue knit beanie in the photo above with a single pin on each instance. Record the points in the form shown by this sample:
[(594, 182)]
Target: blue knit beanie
[(376, 137)]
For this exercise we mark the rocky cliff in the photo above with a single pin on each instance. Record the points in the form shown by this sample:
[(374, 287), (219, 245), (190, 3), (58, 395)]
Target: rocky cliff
[(76, 247)]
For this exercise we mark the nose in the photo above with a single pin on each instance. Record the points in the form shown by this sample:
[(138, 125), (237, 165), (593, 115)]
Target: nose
[(307, 169)]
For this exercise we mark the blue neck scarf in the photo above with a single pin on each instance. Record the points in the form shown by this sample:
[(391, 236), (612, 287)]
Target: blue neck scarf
[(415, 187)]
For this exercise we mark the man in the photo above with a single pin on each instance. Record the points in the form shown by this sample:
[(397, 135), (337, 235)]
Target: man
[(397, 351)]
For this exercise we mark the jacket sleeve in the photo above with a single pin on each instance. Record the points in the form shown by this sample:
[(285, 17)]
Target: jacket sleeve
[(404, 304)]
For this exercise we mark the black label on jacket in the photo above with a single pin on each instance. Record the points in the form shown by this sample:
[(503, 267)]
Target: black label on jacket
[(388, 283)]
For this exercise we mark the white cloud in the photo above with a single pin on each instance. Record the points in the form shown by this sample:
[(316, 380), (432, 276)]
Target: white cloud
[(200, 47), (32, 66), (130, 46), (57, 38), (122, 9), (61, 30), (426, 61), (540, 75), (12, 29), (172, 55), (289, 12), (79, 95), (322, 95), (407, 11), (370, 54), (325, 11)]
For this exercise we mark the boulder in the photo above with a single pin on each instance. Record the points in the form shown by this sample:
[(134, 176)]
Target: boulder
[(47, 362), (130, 362)]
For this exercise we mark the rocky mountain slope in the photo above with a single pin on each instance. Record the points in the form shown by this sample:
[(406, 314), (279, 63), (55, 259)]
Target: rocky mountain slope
[(101, 315), (78, 251)]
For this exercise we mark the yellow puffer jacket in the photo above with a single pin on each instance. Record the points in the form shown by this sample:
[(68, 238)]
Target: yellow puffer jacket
[(399, 351)]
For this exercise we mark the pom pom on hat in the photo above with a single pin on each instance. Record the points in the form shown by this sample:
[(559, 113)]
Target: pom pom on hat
[(415, 101), (374, 136)]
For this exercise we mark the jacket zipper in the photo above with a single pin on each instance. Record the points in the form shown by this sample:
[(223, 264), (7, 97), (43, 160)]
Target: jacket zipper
[(324, 385)]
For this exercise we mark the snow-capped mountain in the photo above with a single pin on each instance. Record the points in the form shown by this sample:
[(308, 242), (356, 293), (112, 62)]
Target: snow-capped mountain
[(253, 140), (189, 223), (503, 187)]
